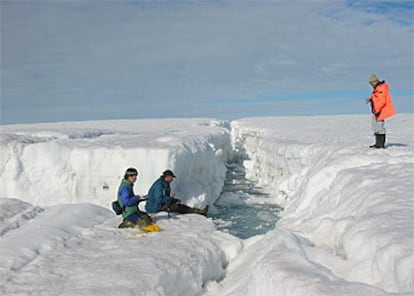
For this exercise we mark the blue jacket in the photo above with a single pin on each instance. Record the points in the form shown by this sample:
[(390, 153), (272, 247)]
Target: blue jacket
[(158, 195), (127, 198)]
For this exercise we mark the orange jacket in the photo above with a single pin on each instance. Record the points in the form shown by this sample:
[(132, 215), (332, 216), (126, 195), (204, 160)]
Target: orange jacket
[(381, 101)]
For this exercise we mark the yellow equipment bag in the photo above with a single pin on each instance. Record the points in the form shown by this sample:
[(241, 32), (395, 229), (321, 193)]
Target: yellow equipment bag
[(150, 228)]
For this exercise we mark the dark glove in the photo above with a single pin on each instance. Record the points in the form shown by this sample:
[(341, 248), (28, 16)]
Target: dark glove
[(377, 114)]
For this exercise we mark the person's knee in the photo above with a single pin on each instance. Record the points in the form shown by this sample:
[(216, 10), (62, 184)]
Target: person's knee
[(173, 207), (132, 218)]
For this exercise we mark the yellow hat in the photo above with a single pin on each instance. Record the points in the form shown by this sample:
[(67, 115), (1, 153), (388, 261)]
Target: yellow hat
[(373, 79)]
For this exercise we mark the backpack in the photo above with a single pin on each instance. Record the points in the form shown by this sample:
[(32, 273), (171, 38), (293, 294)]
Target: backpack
[(117, 207)]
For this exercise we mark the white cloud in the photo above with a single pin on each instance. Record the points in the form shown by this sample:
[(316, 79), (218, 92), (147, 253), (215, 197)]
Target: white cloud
[(71, 60)]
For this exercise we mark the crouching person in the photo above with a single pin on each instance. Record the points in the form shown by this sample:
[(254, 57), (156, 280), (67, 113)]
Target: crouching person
[(160, 198), (128, 201)]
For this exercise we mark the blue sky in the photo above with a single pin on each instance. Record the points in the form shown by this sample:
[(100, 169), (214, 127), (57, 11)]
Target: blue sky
[(397, 11), (86, 60)]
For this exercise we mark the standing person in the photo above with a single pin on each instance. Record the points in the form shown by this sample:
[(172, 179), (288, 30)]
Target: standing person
[(128, 201), (381, 107), (160, 198)]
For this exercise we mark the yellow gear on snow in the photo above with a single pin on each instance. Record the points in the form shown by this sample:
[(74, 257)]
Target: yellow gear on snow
[(143, 226), (150, 228)]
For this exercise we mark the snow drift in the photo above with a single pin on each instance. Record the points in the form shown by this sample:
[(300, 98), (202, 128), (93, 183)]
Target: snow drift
[(77, 249), (347, 227)]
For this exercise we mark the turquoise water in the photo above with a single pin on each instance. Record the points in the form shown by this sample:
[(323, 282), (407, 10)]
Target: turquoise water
[(242, 209)]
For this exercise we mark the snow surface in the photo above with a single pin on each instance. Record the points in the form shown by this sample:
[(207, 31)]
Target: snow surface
[(77, 249), (346, 229), (348, 226)]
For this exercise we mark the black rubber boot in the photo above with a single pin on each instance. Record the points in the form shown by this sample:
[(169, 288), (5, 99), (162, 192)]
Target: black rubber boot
[(381, 142), (376, 142)]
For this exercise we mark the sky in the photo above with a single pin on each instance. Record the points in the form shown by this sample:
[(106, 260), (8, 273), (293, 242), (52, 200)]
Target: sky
[(93, 60)]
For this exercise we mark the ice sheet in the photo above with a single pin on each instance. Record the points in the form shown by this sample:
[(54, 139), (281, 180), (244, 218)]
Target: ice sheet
[(347, 228)]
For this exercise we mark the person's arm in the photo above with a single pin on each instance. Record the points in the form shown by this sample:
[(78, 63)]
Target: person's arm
[(379, 101), (164, 198), (167, 198), (127, 199), (156, 194)]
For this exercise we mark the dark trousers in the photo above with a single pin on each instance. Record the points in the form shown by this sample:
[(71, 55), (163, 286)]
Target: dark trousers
[(176, 207), (135, 217)]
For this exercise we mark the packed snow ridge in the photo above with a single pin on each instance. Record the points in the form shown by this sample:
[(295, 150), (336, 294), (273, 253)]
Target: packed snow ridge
[(49, 164), (347, 227)]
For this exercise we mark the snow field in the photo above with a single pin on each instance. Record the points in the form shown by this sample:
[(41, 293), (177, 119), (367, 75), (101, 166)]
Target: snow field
[(77, 249), (347, 228), (53, 247), (277, 263)]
